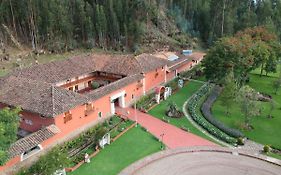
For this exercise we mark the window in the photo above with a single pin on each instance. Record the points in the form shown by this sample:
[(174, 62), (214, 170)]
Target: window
[(71, 88), (132, 96), (162, 67), (89, 109), (76, 87), (67, 116), (156, 75), (100, 115), (89, 83)]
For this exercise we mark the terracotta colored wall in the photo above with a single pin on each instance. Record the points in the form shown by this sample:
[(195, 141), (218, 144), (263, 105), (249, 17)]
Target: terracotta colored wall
[(170, 75), (100, 105), (184, 67), (152, 81)]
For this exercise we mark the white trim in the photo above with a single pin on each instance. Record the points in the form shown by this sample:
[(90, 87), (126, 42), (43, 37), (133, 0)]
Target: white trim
[(143, 80), (99, 114), (121, 100), (21, 156), (165, 74)]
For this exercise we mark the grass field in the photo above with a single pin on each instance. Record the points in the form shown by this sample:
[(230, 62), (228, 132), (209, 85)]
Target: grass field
[(179, 98), (132, 146), (266, 131)]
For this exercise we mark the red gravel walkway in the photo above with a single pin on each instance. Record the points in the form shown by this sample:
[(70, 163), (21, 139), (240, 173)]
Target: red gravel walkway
[(173, 136)]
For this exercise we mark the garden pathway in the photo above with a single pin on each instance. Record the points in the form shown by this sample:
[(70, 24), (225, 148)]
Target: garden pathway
[(173, 136)]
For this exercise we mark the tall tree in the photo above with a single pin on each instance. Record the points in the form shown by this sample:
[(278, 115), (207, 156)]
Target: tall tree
[(247, 98), (229, 92)]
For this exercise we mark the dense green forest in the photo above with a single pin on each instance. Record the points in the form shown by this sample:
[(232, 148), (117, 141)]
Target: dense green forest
[(57, 25)]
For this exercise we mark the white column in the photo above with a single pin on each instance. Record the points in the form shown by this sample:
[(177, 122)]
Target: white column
[(143, 87), (112, 106), (165, 72)]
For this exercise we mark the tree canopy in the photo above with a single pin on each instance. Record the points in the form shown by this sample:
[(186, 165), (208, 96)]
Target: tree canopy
[(68, 24), (247, 50), (9, 123)]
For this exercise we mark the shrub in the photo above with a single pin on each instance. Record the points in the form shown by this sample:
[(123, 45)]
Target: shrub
[(266, 148), (173, 84), (192, 105), (49, 163), (206, 111), (240, 141), (145, 102), (192, 73), (95, 85)]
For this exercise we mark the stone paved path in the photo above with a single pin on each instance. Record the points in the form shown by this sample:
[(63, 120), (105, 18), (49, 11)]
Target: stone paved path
[(251, 146), (173, 136)]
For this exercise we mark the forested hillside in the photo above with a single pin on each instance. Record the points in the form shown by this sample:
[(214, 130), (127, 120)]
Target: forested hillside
[(59, 25)]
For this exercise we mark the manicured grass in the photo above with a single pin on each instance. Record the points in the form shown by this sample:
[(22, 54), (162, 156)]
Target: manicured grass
[(2, 73), (277, 156), (132, 146), (266, 131), (179, 98)]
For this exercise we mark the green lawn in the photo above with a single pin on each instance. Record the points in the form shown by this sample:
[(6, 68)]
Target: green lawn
[(277, 156), (266, 131), (132, 146), (179, 98), (2, 73)]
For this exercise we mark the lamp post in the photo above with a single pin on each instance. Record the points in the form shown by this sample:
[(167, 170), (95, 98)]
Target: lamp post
[(162, 138), (135, 106)]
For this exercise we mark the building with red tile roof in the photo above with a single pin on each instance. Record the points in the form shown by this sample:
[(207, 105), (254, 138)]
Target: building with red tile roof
[(59, 102)]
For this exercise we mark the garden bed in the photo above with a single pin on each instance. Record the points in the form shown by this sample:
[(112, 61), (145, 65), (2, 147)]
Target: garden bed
[(135, 144), (125, 125), (146, 102), (180, 98), (200, 120), (88, 142), (206, 111)]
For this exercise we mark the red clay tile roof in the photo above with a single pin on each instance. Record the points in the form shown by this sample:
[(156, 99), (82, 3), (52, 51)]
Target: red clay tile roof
[(149, 62), (34, 90), (38, 97), (36, 138), (62, 70)]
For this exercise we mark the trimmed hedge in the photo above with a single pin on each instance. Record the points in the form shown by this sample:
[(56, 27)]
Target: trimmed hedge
[(206, 111), (145, 102), (192, 105)]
